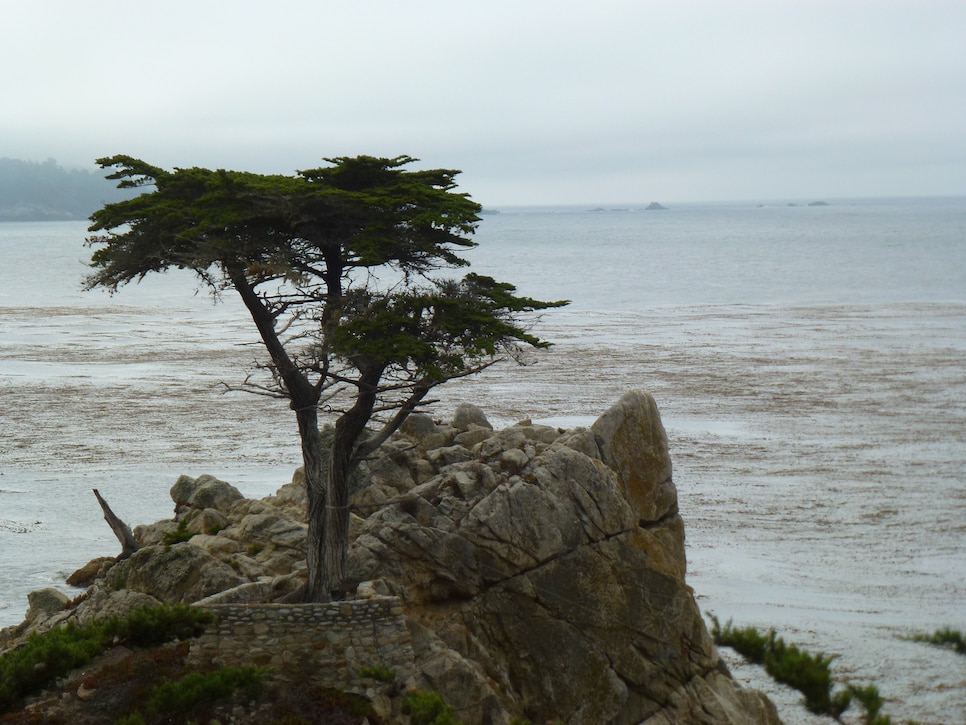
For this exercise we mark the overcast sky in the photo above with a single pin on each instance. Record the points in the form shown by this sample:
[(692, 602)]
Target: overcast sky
[(537, 101)]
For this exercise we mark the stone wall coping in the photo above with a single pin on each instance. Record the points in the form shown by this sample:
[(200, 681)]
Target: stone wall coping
[(368, 602)]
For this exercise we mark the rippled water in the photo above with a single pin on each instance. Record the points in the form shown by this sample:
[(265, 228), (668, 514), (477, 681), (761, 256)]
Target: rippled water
[(809, 363)]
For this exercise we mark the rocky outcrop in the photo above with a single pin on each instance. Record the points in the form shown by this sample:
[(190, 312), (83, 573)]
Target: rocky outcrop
[(547, 569), (174, 574), (541, 572)]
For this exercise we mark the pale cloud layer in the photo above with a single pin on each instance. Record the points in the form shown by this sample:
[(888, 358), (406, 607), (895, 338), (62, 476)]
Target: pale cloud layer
[(537, 101)]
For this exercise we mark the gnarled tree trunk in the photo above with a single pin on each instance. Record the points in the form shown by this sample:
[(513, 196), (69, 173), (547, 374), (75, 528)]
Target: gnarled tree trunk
[(313, 460)]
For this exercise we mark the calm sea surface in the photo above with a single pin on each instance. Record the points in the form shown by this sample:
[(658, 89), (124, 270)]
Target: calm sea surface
[(809, 362)]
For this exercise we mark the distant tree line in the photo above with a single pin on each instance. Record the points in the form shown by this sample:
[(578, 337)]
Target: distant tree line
[(46, 191)]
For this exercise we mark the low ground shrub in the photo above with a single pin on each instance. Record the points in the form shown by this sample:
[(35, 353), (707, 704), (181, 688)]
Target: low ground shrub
[(428, 708), (870, 699), (380, 673), (809, 674), (184, 694), (945, 637), (52, 654), (44, 658), (746, 641), (151, 626)]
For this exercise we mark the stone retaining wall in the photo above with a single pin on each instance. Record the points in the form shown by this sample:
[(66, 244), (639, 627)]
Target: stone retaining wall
[(329, 642)]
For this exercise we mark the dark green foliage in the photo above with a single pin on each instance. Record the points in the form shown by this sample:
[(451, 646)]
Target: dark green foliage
[(428, 708), (871, 701), (809, 674), (49, 655), (945, 637), (746, 641), (380, 673), (150, 626), (203, 687), (44, 658), (168, 538)]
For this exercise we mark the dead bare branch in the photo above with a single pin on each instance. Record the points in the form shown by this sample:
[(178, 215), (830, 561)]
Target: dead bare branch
[(121, 530)]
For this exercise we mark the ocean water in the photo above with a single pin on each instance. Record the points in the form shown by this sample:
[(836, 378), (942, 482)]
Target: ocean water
[(809, 363)]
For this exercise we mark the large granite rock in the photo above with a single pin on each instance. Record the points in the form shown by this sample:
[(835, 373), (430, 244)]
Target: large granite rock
[(633, 444), (177, 574), (204, 492), (45, 603), (544, 574)]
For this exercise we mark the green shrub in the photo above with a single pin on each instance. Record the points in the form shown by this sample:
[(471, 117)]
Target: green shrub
[(52, 654), (747, 641), (379, 672), (45, 657), (428, 708), (871, 701), (809, 674), (180, 534), (202, 687), (150, 626), (945, 637)]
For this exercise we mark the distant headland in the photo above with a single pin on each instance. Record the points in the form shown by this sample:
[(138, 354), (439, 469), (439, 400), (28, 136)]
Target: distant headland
[(32, 191)]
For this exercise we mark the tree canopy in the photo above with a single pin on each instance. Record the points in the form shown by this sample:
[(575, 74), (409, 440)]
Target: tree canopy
[(339, 267)]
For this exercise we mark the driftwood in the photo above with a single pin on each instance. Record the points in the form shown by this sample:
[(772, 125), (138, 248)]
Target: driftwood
[(121, 530)]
